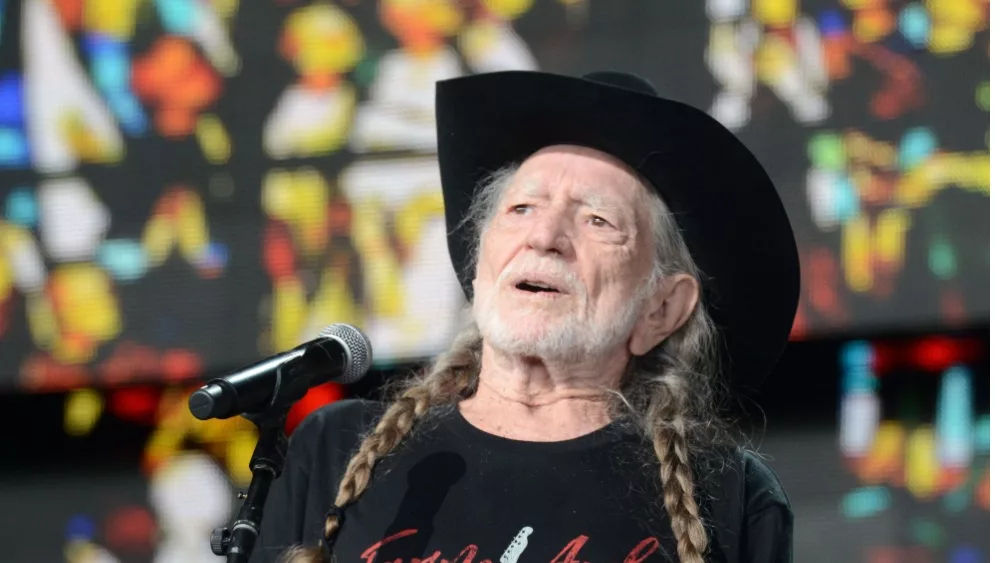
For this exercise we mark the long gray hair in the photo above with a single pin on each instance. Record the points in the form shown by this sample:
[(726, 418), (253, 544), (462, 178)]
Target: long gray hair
[(671, 393)]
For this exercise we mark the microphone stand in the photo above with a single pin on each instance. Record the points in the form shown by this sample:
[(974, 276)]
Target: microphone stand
[(266, 463)]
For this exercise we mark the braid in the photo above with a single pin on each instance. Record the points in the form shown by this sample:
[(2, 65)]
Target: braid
[(394, 425), (671, 396), (671, 449), (452, 377)]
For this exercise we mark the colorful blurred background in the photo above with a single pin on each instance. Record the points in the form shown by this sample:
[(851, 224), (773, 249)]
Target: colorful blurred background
[(189, 185)]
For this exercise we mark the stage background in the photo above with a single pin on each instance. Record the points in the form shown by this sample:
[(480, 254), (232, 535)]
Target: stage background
[(189, 185)]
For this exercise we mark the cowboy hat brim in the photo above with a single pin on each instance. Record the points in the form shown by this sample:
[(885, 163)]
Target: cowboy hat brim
[(729, 212)]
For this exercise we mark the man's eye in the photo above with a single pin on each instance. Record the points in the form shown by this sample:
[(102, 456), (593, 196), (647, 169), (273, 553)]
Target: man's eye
[(520, 209), (598, 221)]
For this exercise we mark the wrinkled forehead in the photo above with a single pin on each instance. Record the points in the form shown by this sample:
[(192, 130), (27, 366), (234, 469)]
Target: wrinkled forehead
[(587, 175)]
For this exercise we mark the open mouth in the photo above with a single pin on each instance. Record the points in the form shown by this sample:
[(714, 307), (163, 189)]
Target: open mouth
[(536, 287)]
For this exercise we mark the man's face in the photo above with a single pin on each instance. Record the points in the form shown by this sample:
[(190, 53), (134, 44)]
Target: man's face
[(565, 261)]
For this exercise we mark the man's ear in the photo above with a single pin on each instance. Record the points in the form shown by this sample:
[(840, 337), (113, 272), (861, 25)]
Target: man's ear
[(670, 306)]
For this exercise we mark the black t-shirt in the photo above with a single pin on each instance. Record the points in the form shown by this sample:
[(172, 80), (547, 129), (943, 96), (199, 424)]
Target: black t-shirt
[(454, 493)]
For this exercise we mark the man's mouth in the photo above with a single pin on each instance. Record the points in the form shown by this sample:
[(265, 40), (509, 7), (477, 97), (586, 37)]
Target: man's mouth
[(536, 287)]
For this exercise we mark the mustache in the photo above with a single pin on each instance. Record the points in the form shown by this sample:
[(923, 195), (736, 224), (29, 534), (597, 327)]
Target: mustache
[(553, 269)]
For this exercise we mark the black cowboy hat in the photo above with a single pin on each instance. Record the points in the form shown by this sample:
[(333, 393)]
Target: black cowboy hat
[(726, 206)]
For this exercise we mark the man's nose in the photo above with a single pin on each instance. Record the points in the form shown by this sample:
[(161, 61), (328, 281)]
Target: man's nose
[(550, 232)]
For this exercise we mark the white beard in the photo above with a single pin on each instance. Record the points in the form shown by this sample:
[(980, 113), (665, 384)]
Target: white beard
[(567, 338)]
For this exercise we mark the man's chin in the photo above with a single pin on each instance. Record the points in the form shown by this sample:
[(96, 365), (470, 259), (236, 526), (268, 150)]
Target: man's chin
[(520, 324), (528, 349), (530, 340)]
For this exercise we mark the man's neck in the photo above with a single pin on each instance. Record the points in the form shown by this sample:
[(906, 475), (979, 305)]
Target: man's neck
[(534, 400)]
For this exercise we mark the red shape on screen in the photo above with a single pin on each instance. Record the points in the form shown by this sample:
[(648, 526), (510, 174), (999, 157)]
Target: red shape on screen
[(983, 491), (173, 77), (138, 404), (886, 358), (41, 373), (180, 365), (935, 353), (279, 252), (800, 326), (339, 218), (70, 12), (822, 271), (130, 362), (131, 529), (314, 399)]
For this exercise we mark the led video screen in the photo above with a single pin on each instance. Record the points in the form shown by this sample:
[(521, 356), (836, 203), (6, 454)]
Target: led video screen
[(187, 186)]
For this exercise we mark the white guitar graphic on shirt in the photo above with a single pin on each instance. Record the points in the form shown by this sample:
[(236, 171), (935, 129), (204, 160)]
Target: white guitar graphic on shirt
[(517, 546)]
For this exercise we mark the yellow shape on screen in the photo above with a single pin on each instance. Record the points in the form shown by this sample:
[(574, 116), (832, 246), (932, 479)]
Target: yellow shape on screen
[(6, 275), (322, 39), (885, 458), (288, 313), (110, 17), (83, 409), (922, 469), (86, 309), (779, 13), (382, 271), (873, 25), (192, 226), (213, 138), (890, 239), (299, 199)]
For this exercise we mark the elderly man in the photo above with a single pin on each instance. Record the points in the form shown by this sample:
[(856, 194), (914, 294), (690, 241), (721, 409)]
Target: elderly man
[(612, 242)]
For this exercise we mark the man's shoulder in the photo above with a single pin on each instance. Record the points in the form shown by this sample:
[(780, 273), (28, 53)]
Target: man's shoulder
[(339, 424), (344, 411), (738, 488), (744, 479), (762, 487)]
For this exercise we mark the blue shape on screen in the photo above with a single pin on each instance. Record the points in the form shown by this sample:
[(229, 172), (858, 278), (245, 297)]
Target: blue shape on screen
[(22, 208), (857, 359), (110, 65), (965, 554), (846, 198), (111, 68), (915, 147), (81, 526), (915, 24), (955, 431), (13, 148), (129, 112), (124, 259), (831, 22), (858, 353), (865, 502), (178, 17), (983, 434), (215, 255), (11, 100)]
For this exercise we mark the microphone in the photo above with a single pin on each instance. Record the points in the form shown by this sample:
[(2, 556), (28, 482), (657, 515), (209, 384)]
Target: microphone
[(341, 353)]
